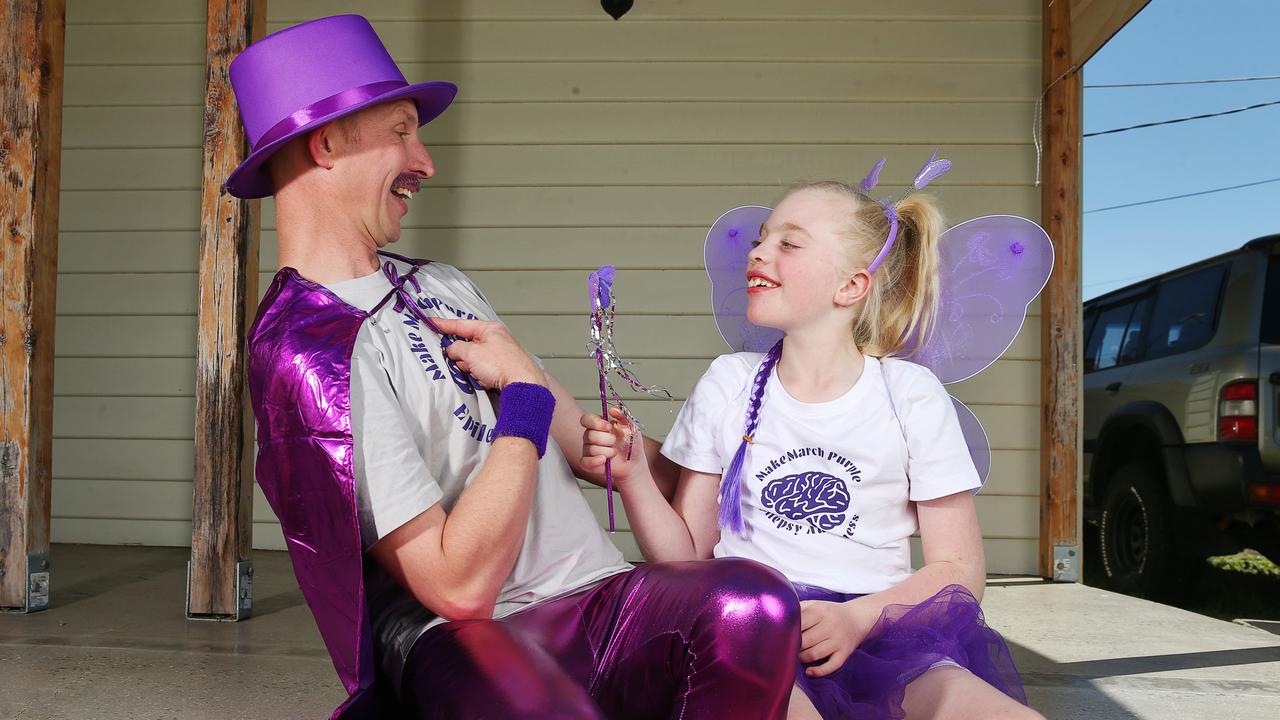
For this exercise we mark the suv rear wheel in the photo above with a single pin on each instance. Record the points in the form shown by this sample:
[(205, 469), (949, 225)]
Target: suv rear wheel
[(1136, 533)]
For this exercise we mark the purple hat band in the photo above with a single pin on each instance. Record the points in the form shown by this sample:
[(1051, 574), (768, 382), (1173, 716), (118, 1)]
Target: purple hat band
[(307, 75), (334, 103)]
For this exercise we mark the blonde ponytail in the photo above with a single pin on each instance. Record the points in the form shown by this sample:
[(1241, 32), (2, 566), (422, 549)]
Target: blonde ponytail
[(904, 292)]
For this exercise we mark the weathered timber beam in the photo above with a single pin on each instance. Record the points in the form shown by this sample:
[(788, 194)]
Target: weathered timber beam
[(1060, 303), (31, 54), (218, 578)]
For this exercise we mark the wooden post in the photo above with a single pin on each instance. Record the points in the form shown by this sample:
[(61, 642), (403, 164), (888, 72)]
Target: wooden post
[(219, 576), (1060, 549), (31, 37)]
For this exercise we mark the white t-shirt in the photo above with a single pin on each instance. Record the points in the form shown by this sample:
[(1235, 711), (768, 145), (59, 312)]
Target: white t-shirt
[(421, 433), (825, 490)]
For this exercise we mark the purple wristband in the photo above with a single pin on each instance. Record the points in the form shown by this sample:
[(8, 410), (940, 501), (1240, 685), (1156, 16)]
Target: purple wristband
[(525, 411)]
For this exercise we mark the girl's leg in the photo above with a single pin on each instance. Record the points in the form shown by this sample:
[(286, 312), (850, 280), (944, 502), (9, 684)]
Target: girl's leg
[(800, 707), (952, 693)]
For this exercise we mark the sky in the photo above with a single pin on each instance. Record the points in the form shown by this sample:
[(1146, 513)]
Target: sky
[(1180, 40)]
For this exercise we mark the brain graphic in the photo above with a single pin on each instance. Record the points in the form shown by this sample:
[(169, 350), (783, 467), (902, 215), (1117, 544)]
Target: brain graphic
[(819, 499)]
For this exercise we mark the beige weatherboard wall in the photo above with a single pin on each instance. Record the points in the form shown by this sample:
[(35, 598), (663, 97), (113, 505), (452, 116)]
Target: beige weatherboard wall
[(575, 141)]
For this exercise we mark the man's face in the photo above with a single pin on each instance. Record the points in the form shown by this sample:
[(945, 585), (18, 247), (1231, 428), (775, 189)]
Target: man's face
[(379, 167)]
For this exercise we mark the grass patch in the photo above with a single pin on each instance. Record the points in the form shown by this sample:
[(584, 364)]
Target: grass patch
[(1249, 562), (1243, 585), (1246, 584)]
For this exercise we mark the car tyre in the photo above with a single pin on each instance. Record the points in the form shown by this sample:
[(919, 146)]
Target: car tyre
[(1136, 538)]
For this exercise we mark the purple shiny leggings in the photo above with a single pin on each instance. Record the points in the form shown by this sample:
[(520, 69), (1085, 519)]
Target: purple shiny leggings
[(689, 640)]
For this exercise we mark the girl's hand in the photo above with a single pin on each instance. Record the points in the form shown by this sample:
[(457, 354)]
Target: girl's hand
[(603, 440), (830, 631)]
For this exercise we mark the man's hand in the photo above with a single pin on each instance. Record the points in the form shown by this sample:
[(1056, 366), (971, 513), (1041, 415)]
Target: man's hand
[(617, 441), (830, 630), (490, 354)]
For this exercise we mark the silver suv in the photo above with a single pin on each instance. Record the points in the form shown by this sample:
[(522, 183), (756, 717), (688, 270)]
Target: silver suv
[(1182, 415)]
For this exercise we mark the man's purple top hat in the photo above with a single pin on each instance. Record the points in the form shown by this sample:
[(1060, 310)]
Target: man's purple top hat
[(302, 77)]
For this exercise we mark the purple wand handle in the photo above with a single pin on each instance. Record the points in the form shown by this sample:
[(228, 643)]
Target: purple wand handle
[(608, 462)]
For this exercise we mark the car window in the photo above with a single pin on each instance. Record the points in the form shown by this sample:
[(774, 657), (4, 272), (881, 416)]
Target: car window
[(1271, 304), (1090, 317), (1103, 350), (1186, 312), (1132, 346)]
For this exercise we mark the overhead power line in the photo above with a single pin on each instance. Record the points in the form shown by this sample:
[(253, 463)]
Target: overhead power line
[(1184, 195), (1182, 82), (1116, 280), (1183, 119)]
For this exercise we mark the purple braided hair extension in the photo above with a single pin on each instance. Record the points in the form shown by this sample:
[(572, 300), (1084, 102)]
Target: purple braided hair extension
[(731, 483)]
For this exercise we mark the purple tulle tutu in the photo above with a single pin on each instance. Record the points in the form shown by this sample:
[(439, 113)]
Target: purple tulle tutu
[(905, 642)]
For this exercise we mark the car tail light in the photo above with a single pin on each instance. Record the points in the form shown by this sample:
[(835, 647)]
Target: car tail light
[(1264, 493), (1238, 411)]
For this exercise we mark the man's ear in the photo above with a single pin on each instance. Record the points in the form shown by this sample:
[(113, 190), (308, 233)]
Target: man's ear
[(854, 290), (322, 145)]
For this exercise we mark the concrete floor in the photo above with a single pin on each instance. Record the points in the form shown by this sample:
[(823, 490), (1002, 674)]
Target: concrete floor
[(115, 644)]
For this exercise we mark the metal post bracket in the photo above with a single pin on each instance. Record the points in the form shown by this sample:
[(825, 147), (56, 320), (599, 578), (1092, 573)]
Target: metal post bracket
[(1066, 563)]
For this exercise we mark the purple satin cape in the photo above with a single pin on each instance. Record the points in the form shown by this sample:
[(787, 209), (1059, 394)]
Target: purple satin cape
[(300, 381)]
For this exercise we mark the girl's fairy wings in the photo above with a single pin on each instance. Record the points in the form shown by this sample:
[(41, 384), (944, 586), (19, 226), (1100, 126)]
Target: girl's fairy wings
[(991, 269), (725, 254)]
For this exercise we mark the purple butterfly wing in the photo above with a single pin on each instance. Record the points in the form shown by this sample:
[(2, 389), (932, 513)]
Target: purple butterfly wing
[(975, 437), (725, 253), (991, 269)]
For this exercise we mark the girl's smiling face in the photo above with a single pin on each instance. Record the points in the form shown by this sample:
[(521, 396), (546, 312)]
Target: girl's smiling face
[(798, 268)]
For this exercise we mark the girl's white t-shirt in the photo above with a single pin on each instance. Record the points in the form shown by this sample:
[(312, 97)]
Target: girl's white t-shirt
[(828, 488)]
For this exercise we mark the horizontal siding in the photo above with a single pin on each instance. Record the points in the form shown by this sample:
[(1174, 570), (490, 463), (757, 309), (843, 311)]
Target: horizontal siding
[(1010, 427), (148, 531), (563, 165), (503, 41), (171, 460), (720, 123), (909, 89), (549, 336), (956, 11), (116, 501), (1000, 552), (524, 292), (573, 143), (1009, 382), (510, 207)]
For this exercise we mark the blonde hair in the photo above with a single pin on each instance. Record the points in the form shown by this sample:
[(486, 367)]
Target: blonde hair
[(903, 299)]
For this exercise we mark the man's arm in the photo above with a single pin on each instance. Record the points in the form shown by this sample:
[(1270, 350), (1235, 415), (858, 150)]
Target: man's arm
[(455, 563), (566, 429)]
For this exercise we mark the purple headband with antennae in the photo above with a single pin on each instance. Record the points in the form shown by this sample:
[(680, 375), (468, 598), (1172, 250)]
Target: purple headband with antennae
[(932, 170), (890, 214)]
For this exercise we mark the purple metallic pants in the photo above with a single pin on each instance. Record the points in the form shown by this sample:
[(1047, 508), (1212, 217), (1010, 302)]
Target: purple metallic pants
[(689, 640)]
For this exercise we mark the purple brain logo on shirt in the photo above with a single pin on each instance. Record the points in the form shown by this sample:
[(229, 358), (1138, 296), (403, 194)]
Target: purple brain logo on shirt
[(815, 498)]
